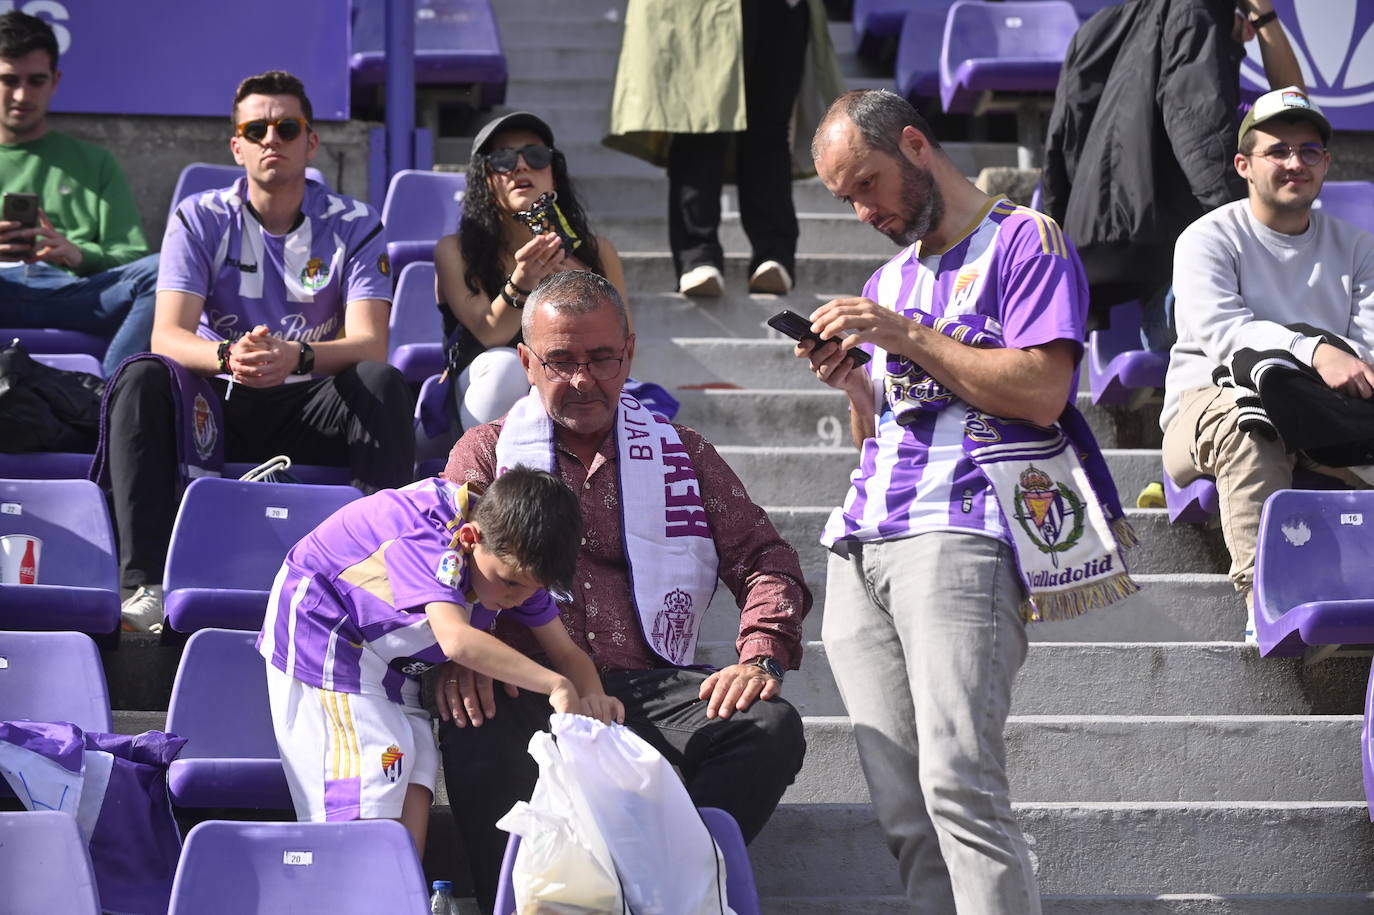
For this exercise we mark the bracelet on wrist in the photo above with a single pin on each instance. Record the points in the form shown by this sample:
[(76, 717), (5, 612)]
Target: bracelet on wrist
[(511, 300), (222, 354), (510, 280), (1263, 19)]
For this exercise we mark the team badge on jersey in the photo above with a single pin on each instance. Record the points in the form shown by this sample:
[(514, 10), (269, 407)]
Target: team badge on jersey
[(392, 761), (315, 274), (449, 570), (1045, 508), (203, 431)]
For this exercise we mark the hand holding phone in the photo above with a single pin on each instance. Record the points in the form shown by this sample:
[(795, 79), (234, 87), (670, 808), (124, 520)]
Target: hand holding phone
[(23, 209), (799, 328), (545, 216)]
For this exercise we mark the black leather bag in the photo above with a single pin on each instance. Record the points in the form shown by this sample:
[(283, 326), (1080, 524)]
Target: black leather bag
[(46, 409)]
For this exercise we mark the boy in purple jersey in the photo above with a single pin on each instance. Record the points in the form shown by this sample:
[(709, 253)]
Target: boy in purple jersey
[(923, 623), (390, 586)]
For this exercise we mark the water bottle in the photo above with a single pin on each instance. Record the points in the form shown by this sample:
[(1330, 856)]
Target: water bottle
[(442, 901)]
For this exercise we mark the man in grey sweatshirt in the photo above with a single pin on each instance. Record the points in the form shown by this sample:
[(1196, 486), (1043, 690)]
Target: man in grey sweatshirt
[(1242, 273)]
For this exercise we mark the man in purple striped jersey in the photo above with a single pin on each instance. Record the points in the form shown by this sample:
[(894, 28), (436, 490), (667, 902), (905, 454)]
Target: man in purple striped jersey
[(923, 622)]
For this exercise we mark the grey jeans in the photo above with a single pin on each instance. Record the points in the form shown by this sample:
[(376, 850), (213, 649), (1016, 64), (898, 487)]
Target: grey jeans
[(925, 637)]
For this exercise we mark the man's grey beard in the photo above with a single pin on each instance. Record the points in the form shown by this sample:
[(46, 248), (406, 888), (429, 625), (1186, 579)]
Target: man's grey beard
[(923, 206)]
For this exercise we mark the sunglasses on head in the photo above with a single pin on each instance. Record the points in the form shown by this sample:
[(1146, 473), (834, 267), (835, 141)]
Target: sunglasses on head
[(287, 129), (504, 159)]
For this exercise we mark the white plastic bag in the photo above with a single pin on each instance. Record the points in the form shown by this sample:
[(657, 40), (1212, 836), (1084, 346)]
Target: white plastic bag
[(666, 859), (563, 866)]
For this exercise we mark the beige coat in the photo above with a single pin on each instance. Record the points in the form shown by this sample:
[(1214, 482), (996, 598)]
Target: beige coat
[(681, 72)]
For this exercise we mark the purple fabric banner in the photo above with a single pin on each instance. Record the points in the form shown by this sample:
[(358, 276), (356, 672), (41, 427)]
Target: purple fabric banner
[(194, 52)]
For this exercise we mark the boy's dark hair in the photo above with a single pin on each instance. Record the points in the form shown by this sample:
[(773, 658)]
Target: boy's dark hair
[(22, 34), (532, 518), (273, 82)]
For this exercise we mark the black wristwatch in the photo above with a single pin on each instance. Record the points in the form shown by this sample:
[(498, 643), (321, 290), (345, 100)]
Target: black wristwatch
[(307, 362), (1261, 21), (768, 666)]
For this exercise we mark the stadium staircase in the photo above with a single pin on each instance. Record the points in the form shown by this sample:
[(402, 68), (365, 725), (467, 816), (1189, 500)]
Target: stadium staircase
[(1157, 763)]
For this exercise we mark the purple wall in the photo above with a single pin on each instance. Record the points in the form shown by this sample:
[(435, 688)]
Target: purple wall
[(1334, 41), (184, 57)]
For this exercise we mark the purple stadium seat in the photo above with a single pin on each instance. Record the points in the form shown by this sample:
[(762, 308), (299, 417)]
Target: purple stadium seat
[(228, 542), (1351, 201), (51, 340), (1015, 46), (874, 21), (416, 333), (1312, 562), (71, 362), (922, 30), (52, 465), (362, 867), (1117, 366), (741, 892), (420, 208), (219, 704), (78, 581), (206, 176), (456, 43), (44, 865), (1195, 503), (53, 676)]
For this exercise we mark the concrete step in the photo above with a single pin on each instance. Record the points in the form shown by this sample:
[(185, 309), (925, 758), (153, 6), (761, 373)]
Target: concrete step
[(831, 231), (823, 851), (1128, 678), (1133, 758), (1187, 607), (1164, 548), (1170, 904), (651, 272), (522, 37), (555, 64), (642, 196), (777, 474)]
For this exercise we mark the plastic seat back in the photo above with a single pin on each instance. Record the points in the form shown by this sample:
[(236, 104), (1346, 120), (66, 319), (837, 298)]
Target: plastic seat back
[(1312, 562), (1350, 201), (420, 208), (416, 331), (44, 865), (917, 68), (78, 580), (219, 704), (207, 176), (53, 676), (361, 867), (228, 542), (1013, 46)]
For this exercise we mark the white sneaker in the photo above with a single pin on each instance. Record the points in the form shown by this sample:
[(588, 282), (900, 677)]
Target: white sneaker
[(771, 277), (142, 612), (702, 281), (1250, 637)]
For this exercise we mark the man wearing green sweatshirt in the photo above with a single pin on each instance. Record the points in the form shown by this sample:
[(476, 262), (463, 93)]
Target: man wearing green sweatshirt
[(1244, 276), (85, 266)]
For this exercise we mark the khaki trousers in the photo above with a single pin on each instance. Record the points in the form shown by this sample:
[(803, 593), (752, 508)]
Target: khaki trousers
[(1203, 439)]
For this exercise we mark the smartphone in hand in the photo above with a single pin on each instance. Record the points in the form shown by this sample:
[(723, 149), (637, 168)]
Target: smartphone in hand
[(545, 216), (799, 328), (21, 208)]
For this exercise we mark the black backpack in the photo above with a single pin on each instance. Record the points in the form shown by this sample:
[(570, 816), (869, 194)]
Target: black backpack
[(46, 409)]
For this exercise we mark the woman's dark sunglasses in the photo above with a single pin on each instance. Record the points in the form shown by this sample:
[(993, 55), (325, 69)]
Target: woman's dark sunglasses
[(503, 160), (287, 129)]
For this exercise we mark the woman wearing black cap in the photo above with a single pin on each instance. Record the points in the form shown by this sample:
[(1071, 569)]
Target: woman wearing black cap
[(484, 271)]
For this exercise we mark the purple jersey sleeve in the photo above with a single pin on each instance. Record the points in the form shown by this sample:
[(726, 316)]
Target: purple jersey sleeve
[(368, 272), (185, 262), (413, 567), (1044, 292)]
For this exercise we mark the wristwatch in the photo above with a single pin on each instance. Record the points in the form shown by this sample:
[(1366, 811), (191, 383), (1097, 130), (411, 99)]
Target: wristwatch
[(768, 666), (1264, 19), (307, 363)]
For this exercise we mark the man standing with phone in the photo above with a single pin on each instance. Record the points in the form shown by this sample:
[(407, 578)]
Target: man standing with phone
[(72, 251)]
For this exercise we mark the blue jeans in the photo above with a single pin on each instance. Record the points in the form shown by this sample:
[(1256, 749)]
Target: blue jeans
[(115, 303)]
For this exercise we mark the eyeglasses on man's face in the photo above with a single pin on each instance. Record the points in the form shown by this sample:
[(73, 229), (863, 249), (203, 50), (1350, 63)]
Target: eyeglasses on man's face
[(503, 160), (603, 368), (1308, 154), (287, 129)]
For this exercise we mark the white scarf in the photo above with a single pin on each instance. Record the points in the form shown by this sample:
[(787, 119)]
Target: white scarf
[(669, 550)]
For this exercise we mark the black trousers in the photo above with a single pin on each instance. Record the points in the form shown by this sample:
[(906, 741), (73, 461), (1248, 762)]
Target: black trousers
[(359, 418), (774, 51), (742, 764)]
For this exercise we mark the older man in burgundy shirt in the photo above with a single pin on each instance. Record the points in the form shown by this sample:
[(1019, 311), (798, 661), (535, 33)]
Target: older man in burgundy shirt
[(737, 744)]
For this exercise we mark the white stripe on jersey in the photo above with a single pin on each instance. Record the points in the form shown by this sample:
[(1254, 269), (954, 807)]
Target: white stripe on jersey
[(295, 255), (269, 623), (327, 678), (250, 253), (302, 587)]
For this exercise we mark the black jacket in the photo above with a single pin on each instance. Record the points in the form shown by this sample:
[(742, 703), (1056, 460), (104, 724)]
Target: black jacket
[(1142, 136)]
